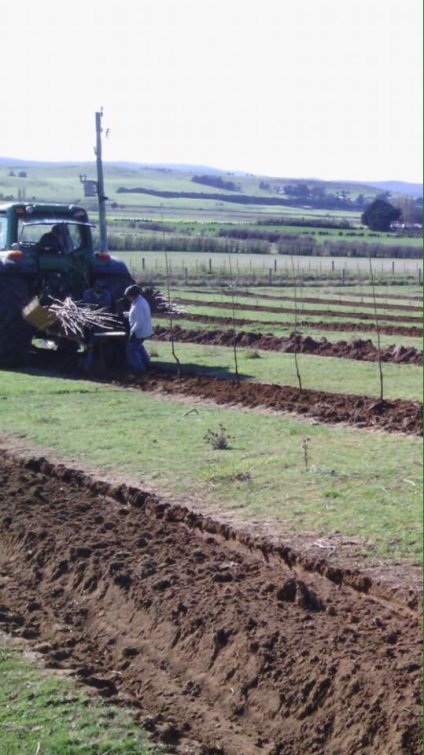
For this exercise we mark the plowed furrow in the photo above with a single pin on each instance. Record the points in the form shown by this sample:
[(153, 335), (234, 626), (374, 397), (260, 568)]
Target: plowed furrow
[(226, 646), (398, 415)]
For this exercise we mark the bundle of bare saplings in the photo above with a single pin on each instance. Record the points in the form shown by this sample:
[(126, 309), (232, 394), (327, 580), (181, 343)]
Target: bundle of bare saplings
[(75, 318)]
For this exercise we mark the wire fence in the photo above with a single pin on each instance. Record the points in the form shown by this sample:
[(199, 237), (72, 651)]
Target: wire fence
[(269, 270)]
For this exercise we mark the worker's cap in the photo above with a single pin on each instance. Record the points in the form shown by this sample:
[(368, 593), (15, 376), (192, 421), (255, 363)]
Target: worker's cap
[(98, 283), (132, 291)]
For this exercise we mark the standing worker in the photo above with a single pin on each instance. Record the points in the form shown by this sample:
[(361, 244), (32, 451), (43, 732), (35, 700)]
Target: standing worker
[(140, 324)]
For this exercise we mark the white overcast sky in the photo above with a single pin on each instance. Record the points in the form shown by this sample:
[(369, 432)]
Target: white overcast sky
[(330, 89)]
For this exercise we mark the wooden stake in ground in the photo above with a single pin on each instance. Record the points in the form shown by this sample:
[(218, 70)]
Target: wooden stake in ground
[(233, 322), (377, 327), (170, 313), (299, 378)]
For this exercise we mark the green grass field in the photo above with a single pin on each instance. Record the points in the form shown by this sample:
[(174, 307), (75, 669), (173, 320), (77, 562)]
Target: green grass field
[(42, 712), (304, 307)]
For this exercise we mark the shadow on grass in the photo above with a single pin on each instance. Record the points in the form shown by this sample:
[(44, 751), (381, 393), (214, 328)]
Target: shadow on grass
[(187, 368), (52, 363)]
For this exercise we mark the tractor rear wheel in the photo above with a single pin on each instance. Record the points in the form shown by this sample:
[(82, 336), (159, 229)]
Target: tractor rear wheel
[(15, 333)]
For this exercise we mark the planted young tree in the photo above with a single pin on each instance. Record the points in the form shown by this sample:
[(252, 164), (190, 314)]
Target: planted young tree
[(377, 328), (296, 361), (233, 309), (170, 314)]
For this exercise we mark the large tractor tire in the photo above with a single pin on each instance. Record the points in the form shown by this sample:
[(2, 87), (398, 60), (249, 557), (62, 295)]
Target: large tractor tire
[(15, 333)]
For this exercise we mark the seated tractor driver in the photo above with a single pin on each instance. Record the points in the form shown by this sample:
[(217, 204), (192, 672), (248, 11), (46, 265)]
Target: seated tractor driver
[(53, 240)]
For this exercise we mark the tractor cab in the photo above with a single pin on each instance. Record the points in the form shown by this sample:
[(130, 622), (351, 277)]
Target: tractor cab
[(64, 237), (18, 224)]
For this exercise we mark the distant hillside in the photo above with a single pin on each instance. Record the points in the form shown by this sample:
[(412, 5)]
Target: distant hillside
[(156, 189), (394, 187), (398, 187)]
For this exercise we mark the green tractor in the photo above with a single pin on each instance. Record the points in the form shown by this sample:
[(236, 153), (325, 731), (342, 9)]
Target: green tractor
[(46, 250)]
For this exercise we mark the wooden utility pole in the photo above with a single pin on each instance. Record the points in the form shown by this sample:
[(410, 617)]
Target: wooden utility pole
[(100, 184)]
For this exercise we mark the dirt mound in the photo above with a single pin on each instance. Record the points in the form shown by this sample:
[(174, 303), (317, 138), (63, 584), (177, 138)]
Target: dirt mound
[(397, 415), (224, 646), (356, 348)]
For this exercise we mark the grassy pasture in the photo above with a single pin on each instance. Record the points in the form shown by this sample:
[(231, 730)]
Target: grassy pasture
[(158, 178), (349, 300), (395, 293), (262, 316), (133, 205), (60, 182), (360, 484), (41, 712), (346, 308)]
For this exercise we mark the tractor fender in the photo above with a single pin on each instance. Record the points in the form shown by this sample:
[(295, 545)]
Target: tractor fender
[(16, 267), (110, 266)]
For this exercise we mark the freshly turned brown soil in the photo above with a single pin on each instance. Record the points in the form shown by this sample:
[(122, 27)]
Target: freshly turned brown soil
[(223, 642), (355, 348)]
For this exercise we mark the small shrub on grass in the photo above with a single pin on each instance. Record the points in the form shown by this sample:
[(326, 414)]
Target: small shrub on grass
[(217, 439), (305, 446)]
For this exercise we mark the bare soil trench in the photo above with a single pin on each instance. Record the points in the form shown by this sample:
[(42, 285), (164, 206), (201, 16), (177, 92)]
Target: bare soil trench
[(310, 312), (398, 415), (356, 348), (223, 642), (389, 330)]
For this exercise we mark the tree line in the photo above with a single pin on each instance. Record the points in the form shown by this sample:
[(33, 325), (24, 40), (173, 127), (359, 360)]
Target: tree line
[(289, 244), (217, 182), (329, 204), (238, 199), (304, 223)]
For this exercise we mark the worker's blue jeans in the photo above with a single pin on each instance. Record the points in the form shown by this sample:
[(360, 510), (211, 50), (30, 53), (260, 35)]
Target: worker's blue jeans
[(137, 356)]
